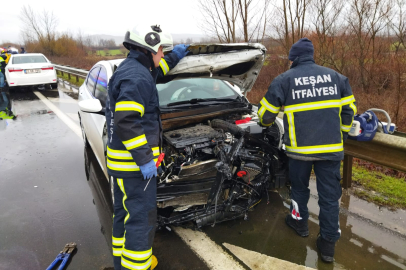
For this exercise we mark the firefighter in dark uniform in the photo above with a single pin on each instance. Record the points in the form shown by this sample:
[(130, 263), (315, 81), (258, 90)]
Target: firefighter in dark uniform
[(318, 114), (3, 63), (5, 107), (134, 134)]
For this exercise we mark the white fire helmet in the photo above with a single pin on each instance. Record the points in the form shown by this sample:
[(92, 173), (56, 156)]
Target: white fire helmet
[(148, 37)]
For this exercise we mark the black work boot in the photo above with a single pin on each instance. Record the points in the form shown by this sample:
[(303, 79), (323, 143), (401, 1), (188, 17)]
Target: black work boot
[(300, 226), (326, 249)]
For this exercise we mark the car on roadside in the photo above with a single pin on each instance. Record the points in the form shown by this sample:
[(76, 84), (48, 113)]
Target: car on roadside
[(219, 162), (30, 69)]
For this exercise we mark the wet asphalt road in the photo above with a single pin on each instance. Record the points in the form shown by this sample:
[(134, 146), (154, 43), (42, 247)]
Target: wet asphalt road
[(53, 191)]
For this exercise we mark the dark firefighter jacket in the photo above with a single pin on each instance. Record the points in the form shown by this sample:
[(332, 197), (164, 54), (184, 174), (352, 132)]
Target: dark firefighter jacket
[(318, 113), (132, 113), (3, 63)]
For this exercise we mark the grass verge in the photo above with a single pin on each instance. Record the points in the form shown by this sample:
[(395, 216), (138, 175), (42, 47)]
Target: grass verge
[(109, 52), (379, 188), (72, 80)]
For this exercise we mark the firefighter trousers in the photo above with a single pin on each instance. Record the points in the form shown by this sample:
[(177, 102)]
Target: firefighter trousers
[(134, 222), (329, 191)]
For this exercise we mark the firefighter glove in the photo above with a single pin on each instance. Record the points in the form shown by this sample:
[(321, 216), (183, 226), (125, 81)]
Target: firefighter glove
[(180, 50), (148, 170)]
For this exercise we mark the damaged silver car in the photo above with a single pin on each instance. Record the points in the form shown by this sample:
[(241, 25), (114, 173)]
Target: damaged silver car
[(219, 162)]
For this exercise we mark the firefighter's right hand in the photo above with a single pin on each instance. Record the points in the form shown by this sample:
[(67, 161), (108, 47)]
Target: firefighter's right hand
[(148, 170)]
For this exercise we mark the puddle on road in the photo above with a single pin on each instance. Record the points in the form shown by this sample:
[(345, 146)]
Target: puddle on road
[(266, 232), (25, 102), (60, 93)]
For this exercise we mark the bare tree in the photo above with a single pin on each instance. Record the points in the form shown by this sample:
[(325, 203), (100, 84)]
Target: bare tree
[(80, 39), (89, 43), (39, 27), (254, 19), (398, 26), (326, 22), (289, 23), (366, 19), (220, 17), (235, 20)]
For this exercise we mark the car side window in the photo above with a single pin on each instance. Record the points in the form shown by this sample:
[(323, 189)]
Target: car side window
[(101, 87), (91, 79)]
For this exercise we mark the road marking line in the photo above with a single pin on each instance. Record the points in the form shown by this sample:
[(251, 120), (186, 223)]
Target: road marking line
[(72, 125), (63, 100), (258, 261), (73, 116), (212, 254)]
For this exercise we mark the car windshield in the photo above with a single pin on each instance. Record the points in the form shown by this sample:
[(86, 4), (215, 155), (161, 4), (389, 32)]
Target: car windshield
[(184, 90), (29, 59)]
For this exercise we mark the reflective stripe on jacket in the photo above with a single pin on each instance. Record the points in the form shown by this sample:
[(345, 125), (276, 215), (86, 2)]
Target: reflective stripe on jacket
[(132, 114), (319, 109), (2, 62)]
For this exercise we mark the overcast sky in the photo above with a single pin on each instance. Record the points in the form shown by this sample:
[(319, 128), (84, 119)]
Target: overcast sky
[(106, 17)]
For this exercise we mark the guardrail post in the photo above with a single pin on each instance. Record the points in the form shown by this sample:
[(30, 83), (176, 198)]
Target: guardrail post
[(69, 76), (62, 73), (77, 78), (347, 171)]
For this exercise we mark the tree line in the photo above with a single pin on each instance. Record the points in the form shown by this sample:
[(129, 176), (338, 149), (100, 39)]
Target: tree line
[(362, 39), (40, 35)]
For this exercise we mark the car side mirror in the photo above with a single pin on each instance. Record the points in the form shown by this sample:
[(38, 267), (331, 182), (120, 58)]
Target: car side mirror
[(91, 106)]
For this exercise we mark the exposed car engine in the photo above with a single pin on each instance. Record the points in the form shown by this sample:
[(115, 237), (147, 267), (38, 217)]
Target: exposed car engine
[(218, 171)]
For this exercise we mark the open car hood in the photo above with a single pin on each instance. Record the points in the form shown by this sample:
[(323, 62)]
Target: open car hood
[(237, 63)]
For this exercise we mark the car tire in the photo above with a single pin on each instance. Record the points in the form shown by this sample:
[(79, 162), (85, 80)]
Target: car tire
[(54, 85), (87, 163), (85, 141)]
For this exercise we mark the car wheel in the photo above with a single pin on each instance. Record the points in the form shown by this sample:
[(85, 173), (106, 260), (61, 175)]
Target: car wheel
[(54, 85)]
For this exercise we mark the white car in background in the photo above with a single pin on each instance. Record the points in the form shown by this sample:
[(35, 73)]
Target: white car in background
[(30, 69)]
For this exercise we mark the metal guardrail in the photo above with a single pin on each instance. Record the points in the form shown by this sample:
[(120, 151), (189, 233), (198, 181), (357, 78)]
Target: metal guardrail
[(82, 73), (384, 149)]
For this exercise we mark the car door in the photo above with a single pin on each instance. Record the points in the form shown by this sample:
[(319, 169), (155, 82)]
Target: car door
[(99, 121), (86, 92)]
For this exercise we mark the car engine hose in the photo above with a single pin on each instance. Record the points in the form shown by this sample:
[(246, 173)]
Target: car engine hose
[(232, 128)]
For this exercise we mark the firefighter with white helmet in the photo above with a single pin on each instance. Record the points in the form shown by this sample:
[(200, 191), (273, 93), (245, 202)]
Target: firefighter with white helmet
[(134, 137)]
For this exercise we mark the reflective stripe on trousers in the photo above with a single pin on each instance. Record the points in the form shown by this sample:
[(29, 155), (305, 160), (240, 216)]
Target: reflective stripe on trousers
[(134, 222)]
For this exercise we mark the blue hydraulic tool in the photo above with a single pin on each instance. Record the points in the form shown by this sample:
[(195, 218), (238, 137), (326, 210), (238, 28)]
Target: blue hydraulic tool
[(63, 256)]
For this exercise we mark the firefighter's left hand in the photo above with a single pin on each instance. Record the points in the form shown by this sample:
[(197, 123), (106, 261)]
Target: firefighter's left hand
[(148, 170)]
